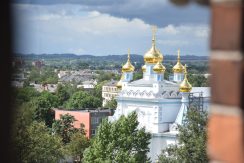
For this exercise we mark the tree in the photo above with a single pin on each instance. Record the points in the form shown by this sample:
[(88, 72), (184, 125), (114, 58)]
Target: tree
[(105, 76), (198, 80), (64, 127), (97, 91), (43, 107), (42, 146), (35, 75), (23, 118), (74, 139), (44, 75), (82, 100), (120, 141), (78, 143), (138, 75), (192, 141), (62, 94), (112, 104), (22, 95)]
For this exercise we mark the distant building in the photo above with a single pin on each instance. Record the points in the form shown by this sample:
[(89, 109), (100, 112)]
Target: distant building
[(76, 76), (109, 91), (17, 62), (18, 80), (207, 75), (17, 84), (90, 84), (38, 64), (45, 87), (18, 77), (90, 118), (62, 73)]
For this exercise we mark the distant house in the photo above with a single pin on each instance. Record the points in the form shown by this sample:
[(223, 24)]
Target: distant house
[(109, 91), (76, 76), (38, 64), (90, 84), (90, 118), (17, 62), (45, 87), (17, 84), (62, 73)]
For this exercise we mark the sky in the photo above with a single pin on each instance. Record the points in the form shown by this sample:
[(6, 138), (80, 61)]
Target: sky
[(109, 27)]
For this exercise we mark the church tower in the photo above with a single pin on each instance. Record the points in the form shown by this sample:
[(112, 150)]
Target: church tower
[(127, 73), (178, 70), (159, 69), (185, 89), (153, 68)]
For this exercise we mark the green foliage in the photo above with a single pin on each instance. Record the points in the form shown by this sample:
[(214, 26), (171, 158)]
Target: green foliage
[(97, 91), (192, 141), (32, 141), (112, 104), (78, 143), (198, 80), (22, 119), (120, 141), (62, 94), (42, 146), (34, 74), (106, 76), (74, 139), (82, 100), (82, 65), (138, 75), (64, 127), (44, 75), (43, 107), (25, 94)]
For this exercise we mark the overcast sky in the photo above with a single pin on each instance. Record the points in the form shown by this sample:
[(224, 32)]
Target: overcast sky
[(102, 27)]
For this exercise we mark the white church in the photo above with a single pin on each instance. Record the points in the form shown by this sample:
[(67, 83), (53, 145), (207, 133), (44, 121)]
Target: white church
[(160, 104)]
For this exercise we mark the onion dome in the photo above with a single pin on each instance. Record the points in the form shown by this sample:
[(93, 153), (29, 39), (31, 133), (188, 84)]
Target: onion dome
[(128, 67), (143, 68), (185, 86), (159, 68), (119, 84), (153, 55), (178, 68)]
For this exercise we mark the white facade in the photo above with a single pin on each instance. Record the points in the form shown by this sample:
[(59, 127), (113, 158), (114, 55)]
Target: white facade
[(109, 91), (159, 104), (178, 77)]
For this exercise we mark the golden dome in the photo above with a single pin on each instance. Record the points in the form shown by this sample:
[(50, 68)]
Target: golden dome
[(143, 68), (159, 68), (185, 86), (119, 84), (153, 55), (178, 68), (128, 67)]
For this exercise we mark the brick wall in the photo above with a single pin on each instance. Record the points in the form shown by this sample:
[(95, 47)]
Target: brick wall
[(225, 128), (81, 117)]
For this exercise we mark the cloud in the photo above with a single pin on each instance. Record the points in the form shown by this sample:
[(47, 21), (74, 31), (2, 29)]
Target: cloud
[(170, 29), (158, 12), (69, 29)]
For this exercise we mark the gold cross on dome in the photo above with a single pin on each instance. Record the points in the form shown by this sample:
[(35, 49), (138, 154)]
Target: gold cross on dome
[(128, 53), (178, 53), (154, 30)]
